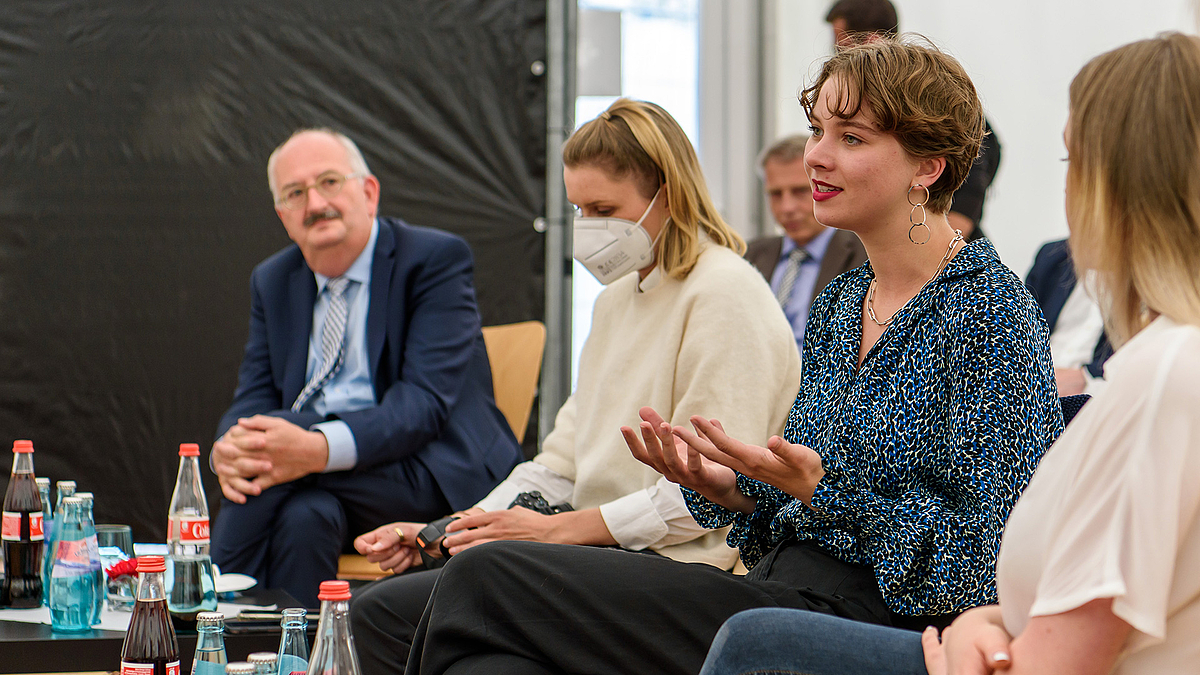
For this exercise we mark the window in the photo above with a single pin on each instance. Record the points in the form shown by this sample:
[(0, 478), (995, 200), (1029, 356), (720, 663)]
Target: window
[(659, 45)]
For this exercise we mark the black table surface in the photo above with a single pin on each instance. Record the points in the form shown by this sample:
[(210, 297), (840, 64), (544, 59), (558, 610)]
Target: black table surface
[(34, 648)]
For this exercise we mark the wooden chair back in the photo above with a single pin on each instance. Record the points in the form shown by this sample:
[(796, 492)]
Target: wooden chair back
[(515, 352)]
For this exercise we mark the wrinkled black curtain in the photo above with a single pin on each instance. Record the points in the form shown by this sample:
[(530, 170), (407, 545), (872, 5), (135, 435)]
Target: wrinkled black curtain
[(134, 136)]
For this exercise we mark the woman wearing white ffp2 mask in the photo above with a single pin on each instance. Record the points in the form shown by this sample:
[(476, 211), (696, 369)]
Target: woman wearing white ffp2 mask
[(612, 247), (695, 332)]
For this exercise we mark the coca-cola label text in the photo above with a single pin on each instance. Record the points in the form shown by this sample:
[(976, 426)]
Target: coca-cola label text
[(10, 530), (147, 668), (75, 557), (191, 530)]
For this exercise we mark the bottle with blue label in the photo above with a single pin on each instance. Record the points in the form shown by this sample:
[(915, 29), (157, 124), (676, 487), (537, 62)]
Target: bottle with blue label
[(73, 577), (293, 644), (210, 644), (101, 578)]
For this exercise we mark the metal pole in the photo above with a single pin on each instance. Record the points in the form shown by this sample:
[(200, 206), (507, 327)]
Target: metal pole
[(561, 17)]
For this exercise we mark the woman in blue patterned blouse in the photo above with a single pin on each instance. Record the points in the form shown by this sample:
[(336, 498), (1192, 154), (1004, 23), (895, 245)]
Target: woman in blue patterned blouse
[(927, 399)]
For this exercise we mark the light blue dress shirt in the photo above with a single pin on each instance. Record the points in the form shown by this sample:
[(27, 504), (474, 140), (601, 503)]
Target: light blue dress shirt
[(797, 306), (350, 389)]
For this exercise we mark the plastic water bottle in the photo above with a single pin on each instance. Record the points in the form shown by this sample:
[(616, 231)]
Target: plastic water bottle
[(22, 536), (101, 578), (263, 662), (66, 488), (190, 584), (150, 646), (72, 578), (293, 644), (333, 651), (210, 644)]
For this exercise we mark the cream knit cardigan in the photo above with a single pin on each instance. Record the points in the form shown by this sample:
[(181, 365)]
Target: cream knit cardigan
[(715, 344)]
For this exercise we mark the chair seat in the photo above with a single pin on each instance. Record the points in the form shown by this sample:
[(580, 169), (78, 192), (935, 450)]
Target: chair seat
[(352, 566)]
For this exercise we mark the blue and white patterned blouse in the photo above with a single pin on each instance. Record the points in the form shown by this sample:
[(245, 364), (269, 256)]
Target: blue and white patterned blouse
[(926, 447)]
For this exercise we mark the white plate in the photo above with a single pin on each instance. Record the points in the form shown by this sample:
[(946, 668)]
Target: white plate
[(233, 582)]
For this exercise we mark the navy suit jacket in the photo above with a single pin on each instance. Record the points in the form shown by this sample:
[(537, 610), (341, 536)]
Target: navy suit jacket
[(1051, 280), (433, 383)]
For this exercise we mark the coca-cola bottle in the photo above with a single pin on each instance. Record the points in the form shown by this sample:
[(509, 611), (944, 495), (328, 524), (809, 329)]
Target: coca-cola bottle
[(333, 652), (22, 533), (150, 647), (190, 585)]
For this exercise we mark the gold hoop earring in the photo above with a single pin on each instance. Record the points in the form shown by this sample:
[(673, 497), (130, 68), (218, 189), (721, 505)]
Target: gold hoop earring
[(912, 216)]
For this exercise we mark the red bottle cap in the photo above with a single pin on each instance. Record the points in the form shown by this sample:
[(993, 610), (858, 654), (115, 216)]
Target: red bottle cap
[(22, 446), (334, 590), (152, 563), (189, 450)]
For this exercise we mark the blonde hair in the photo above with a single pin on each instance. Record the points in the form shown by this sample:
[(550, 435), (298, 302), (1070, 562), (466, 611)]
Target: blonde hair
[(1134, 181), (641, 140), (915, 92)]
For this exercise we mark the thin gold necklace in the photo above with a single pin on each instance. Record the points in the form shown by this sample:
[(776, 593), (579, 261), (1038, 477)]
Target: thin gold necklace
[(942, 265)]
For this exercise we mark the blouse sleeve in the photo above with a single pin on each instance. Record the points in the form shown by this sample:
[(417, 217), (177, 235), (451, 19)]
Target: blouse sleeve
[(945, 524), (751, 533), (1117, 532)]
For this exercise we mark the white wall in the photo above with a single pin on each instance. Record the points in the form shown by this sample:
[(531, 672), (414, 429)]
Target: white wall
[(1021, 55)]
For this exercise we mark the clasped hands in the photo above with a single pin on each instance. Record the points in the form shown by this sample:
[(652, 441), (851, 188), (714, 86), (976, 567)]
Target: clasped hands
[(705, 459), (261, 451), (975, 644)]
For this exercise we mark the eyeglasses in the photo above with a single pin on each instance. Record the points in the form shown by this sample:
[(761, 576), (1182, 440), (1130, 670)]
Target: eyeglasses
[(328, 185)]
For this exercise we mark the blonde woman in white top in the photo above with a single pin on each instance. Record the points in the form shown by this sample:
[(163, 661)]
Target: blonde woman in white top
[(1099, 570)]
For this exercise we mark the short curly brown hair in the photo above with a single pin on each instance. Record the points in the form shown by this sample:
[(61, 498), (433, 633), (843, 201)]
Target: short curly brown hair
[(917, 93)]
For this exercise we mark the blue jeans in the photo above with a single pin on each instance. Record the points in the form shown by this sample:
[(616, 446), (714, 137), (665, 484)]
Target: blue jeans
[(775, 641)]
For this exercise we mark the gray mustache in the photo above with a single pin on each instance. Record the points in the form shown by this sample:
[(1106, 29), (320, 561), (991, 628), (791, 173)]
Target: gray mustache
[(327, 214)]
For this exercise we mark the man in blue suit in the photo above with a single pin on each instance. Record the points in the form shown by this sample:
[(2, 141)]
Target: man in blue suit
[(365, 394)]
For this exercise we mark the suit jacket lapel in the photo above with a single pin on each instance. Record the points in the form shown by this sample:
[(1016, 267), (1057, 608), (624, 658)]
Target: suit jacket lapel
[(836, 260), (766, 256), (381, 277), (302, 289)]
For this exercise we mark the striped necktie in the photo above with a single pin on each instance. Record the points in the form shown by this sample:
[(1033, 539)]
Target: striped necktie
[(333, 341), (795, 259)]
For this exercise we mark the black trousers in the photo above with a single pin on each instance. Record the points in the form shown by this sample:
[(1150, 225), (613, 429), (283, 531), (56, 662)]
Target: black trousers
[(383, 617), (523, 607), (290, 536)]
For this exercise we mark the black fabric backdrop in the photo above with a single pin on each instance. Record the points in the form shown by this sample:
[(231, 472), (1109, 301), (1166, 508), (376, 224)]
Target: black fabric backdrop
[(134, 136)]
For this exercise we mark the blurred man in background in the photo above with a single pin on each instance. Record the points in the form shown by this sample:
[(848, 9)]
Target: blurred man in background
[(801, 262)]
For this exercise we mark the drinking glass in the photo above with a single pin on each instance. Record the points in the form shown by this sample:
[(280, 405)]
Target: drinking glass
[(116, 544)]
